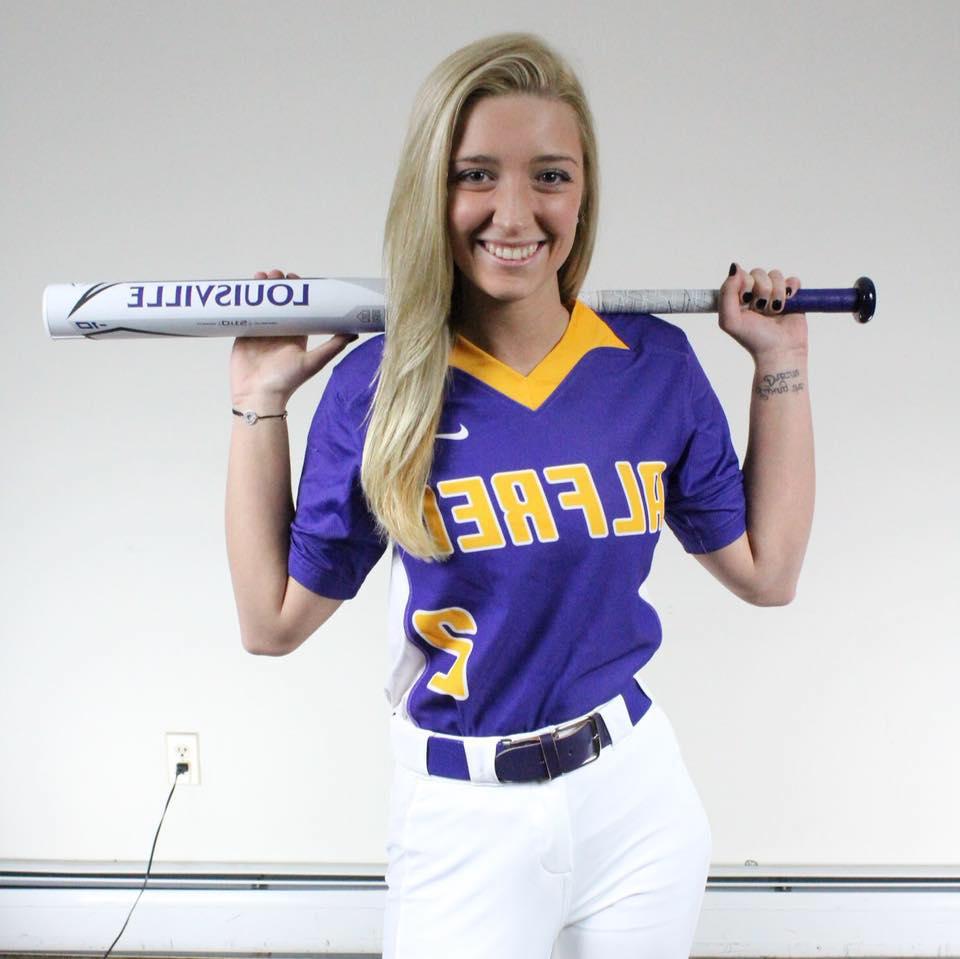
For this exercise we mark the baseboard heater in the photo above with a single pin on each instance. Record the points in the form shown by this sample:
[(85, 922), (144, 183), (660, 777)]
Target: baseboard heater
[(252, 909)]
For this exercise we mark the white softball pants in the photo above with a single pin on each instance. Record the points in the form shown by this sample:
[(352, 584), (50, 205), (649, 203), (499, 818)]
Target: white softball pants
[(604, 862)]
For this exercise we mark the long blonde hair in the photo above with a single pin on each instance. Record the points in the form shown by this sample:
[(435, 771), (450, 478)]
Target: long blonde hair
[(420, 273)]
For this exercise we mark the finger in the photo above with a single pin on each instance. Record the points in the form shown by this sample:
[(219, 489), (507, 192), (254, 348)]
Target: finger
[(259, 275), (732, 290), (739, 280), (761, 289), (792, 285), (293, 276), (778, 294), (318, 357), (333, 345)]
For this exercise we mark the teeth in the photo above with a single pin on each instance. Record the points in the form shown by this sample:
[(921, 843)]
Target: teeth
[(512, 253)]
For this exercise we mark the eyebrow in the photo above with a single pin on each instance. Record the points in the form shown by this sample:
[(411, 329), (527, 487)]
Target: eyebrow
[(543, 158)]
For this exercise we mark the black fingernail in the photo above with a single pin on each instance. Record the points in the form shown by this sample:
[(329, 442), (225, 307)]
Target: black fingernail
[(776, 305), (747, 297), (733, 268), (789, 291), (760, 304)]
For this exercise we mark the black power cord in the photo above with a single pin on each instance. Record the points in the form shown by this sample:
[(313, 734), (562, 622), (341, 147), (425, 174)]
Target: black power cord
[(181, 769)]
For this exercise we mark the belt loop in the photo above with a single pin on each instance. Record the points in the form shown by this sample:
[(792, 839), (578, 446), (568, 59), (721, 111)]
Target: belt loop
[(409, 744), (481, 758), (616, 716)]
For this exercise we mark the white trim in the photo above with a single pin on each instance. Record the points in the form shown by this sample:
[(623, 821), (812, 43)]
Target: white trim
[(233, 908)]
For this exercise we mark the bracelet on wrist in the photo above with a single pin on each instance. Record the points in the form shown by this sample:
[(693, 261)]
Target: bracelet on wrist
[(250, 417)]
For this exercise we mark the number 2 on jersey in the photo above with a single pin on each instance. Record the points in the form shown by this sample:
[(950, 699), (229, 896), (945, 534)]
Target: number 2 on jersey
[(433, 626)]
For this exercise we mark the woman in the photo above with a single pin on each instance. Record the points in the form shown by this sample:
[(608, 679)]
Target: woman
[(522, 453)]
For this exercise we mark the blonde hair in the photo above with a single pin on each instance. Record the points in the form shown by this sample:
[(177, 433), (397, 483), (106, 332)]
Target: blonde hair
[(420, 273)]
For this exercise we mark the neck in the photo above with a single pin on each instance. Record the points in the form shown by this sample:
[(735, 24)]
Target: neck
[(519, 333)]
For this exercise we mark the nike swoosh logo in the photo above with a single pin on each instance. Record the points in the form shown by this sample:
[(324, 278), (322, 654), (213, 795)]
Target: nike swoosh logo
[(461, 434)]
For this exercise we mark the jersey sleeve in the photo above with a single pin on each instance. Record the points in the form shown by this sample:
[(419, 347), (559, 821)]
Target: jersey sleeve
[(706, 506), (333, 538)]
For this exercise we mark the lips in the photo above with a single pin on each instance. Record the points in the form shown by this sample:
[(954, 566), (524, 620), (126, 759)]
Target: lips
[(504, 262)]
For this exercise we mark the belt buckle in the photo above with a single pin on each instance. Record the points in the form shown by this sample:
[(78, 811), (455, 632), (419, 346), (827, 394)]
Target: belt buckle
[(562, 732)]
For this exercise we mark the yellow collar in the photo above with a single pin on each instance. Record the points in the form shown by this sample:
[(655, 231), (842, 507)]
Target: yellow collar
[(585, 331)]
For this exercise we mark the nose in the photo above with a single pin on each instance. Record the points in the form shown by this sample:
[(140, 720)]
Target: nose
[(513, 206)]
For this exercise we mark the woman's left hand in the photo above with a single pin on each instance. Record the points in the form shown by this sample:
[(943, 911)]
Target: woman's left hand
[(758, 322)]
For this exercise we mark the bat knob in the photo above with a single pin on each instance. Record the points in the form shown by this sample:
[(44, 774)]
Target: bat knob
[(867, 302)]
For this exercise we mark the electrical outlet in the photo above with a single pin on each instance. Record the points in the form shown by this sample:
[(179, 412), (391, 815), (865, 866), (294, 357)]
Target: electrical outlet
[(183, 748)]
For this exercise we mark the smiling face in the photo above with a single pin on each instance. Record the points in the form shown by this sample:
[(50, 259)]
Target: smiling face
[(515, 189)]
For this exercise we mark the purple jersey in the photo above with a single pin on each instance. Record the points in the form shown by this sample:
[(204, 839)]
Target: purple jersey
[(547, 495)]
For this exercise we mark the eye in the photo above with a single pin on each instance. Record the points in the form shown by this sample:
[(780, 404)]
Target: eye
[(466, 176), (561, 174)]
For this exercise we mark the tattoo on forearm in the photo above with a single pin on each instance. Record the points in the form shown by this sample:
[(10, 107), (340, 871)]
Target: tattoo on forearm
[(783, 382)]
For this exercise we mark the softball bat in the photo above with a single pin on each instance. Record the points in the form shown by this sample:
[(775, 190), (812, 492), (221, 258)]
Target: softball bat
[(292, 307)]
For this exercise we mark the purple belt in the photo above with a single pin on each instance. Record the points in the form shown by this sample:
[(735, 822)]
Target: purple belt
[(538, 757)]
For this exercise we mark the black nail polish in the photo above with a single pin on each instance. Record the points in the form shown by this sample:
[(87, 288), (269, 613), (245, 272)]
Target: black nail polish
[(747, 297), (760, 304), (776, 305), (733, 268), (789, 291)]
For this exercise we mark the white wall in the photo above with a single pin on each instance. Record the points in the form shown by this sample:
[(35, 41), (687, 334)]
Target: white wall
[(148, 141)]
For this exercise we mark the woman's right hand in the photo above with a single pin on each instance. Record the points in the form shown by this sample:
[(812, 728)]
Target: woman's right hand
[(272, 368)]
